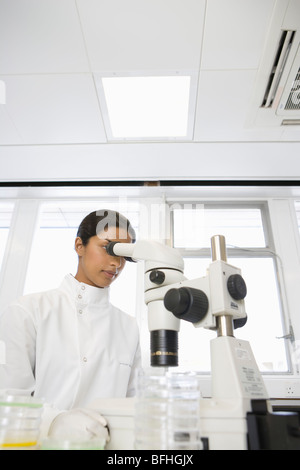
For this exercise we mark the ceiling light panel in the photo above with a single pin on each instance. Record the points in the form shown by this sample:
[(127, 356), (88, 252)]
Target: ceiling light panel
[(147, 107)]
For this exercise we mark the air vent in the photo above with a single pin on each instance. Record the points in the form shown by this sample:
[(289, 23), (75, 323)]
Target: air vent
[(284, 47), (293, 101), (291, 122)]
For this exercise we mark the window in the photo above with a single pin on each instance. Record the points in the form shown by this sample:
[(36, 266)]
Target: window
[(194, 225), (262, 239), (249, 247), (53, 255), (6, 210)]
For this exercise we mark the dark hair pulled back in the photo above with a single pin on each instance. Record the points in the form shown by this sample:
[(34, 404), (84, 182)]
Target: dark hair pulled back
[(99, 221)]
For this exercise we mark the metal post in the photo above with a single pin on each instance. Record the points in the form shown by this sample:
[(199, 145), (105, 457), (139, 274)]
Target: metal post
[(218, 253), (218, 248)]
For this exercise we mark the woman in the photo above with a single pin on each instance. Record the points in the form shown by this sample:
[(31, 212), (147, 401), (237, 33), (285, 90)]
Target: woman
[(70, 345)]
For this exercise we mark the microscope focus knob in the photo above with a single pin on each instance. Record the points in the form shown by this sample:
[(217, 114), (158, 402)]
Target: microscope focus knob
[(187, 303), (236, 287), (157, 277), (239, 322)]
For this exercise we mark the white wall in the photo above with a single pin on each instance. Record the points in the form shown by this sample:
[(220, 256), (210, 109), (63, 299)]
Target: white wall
[(157, 161)]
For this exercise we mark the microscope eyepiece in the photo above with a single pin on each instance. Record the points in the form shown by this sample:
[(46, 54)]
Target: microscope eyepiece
[(110, 248)]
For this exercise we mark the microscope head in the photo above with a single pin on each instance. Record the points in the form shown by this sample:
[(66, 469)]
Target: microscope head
[(163, 266), (215, 301)]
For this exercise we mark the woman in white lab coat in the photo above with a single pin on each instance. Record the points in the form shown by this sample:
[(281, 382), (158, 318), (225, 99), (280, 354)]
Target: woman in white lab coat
[(70, 345)]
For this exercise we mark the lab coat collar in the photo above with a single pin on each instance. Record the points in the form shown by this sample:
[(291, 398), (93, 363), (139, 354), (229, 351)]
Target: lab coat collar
[(84, 293)]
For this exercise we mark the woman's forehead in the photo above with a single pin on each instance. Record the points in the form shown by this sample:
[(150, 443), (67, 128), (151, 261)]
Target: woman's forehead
[(113, 233)]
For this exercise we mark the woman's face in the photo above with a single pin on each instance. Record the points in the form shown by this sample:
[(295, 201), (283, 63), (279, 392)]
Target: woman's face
[(96, 267)]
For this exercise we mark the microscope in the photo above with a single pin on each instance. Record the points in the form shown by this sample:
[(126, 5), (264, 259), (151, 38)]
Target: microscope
[(239, 414)]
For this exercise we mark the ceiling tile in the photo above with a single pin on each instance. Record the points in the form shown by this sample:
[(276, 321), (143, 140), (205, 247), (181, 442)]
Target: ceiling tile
[(235, 32), (41, 37), (142, 35), (8, 132), (222, 102), (54, 108)]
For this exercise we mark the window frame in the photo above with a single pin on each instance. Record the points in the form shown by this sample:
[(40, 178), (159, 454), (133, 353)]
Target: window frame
[(268, 251), (261, 205)]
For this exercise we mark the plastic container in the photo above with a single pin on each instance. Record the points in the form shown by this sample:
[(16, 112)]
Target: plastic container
[(167, 413), (58, 444), (20, 419)]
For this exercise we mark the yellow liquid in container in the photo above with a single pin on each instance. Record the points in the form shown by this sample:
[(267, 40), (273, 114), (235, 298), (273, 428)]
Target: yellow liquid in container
[(10, 445), (20, 418)]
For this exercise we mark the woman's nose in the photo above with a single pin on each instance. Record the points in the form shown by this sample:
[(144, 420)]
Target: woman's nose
[(115, 261)]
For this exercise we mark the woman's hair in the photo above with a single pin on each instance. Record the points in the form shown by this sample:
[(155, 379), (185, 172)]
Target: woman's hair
[(99, 221)]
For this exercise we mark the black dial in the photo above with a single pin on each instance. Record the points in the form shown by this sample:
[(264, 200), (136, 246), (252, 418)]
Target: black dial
[(236, 287), (239, 322), (157, 277), (187, 303)]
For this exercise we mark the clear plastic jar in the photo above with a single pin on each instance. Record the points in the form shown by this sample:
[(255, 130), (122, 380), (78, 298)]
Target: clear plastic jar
[(20, 419), (167, 411)]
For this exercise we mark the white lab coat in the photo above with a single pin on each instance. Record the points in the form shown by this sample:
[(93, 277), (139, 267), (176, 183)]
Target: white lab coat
[(70, 346)]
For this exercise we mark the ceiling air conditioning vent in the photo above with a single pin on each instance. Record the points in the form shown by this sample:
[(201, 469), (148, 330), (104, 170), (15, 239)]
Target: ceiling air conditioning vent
[(287, 100), (293, 101), (284, 47), (290, 122), (276, 99)]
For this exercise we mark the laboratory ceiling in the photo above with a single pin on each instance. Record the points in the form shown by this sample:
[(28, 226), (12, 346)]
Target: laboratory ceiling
[(237, 53)]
